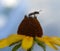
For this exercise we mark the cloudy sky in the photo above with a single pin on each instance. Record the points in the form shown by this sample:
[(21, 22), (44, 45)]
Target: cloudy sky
[(49, 17)]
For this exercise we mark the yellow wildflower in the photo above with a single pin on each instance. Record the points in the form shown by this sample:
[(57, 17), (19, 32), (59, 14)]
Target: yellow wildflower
[(30, 31)]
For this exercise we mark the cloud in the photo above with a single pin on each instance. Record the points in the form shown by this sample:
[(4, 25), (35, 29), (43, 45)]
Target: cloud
[(9, 3)]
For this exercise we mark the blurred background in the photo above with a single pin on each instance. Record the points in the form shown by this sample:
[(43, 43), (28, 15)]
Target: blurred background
[(12, 13)]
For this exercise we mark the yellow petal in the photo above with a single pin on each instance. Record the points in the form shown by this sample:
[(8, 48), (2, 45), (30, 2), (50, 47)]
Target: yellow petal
[(10, 39), (56, 37), (56, 40), (14, 38), (27, 42), (48, 42), (39, 38), (3, 43)]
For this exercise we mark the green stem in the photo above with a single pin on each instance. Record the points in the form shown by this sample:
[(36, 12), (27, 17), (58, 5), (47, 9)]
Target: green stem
[(41, 44), (15, 48)]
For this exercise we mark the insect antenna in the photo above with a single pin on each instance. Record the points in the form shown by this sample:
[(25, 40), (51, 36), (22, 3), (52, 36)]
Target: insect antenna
[(34, 13)]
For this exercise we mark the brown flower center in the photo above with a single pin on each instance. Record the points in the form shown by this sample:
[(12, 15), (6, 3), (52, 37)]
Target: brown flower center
[(30, 26)]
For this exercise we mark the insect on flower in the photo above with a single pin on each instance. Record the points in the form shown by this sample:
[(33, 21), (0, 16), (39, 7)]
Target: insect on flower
[(30, 32)]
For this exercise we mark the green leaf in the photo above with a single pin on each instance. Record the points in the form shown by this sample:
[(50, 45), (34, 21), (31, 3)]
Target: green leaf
[(40, 43), (16, 47), (29, 49), (14, 43)]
